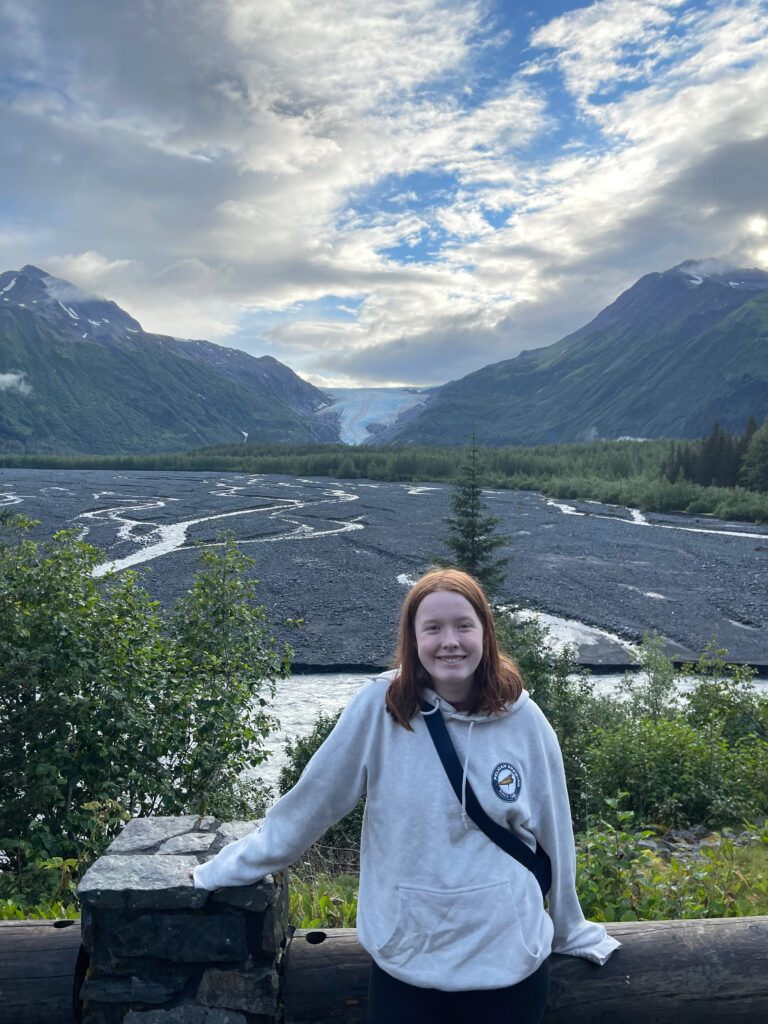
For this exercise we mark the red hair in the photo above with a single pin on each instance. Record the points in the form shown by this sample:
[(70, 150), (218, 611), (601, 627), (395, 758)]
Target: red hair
[(497, 679)]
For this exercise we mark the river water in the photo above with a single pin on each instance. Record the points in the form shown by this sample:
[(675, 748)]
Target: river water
[(301, 698)]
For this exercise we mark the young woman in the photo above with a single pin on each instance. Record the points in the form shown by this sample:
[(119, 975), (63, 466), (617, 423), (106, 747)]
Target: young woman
[(456, 926)]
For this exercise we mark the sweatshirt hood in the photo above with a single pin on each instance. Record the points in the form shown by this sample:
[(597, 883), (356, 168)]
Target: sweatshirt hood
[(449, 711)]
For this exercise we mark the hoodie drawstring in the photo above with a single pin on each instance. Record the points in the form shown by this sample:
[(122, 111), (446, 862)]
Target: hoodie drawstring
[(465, 766)]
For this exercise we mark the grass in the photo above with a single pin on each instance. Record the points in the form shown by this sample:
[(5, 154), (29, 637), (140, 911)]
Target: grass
[(617, 881), (752, 862)]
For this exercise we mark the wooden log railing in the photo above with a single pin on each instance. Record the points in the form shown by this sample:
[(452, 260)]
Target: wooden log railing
[(40, 964), (711, 971), (667, 972)]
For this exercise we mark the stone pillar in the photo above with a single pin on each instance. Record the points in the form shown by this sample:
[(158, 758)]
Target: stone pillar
[(163, 952)]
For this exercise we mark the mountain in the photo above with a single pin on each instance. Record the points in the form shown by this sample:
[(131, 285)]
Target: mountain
[(78, 374), (673, 353)]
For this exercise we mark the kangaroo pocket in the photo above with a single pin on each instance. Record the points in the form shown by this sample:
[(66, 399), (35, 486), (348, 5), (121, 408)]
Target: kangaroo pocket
[(437, 932)]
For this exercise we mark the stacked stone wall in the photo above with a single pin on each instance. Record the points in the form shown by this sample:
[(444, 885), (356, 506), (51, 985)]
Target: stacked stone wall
[(163, 952)]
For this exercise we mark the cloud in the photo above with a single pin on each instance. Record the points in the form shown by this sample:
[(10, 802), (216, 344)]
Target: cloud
[(14, 382), (464, 186), (91, 269), (609, 42)]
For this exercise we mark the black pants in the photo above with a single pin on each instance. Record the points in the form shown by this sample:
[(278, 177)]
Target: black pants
[(395, 1002)]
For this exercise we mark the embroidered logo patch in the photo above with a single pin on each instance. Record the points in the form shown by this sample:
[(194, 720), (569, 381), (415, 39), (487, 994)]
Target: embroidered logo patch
[(506, 782)]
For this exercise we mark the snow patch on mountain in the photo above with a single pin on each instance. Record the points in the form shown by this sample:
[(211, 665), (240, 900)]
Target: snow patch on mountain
[(66, 309), (363, 412), (697, 271)]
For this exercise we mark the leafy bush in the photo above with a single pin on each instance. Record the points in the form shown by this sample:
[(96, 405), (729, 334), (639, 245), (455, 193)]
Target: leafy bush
[(326, 901), (113, 707), (339, 849), (652, 692), (674, 774), (618, 879), (723, 699), (565, 693), (12, 910), (684, 758)]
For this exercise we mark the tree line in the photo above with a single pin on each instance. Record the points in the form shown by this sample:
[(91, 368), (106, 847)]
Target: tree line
[(722, 459), (624, 472)]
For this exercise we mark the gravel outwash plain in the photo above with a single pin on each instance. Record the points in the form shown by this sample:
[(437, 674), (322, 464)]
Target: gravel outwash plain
[(337, 553)]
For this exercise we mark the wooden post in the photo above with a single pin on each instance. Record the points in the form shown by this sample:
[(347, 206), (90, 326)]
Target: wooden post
[(38, 961), (667, 972)]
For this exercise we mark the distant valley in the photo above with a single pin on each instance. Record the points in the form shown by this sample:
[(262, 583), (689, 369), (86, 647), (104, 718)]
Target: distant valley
[(673, 353)]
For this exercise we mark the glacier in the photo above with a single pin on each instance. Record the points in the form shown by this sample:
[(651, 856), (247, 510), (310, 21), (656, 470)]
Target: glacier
[(360, 409)]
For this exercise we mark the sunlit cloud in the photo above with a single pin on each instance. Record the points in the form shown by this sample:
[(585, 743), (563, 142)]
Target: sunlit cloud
[(464, 181)]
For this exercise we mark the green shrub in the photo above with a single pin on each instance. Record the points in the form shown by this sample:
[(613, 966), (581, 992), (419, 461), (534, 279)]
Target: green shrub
[(651, 692), (112, 707), (339, 849), (12, 910), (565, 693), (618, 879), (325, 901), (674, 774), (724, 700)]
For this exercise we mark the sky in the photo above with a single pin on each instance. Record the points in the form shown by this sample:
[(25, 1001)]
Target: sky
[(377, 194)]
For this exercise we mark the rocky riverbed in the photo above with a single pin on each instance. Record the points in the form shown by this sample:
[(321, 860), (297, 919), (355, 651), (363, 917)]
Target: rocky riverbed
[(340, 555), (689, 844)]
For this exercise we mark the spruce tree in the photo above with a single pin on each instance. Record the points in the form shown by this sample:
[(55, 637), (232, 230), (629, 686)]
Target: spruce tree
[(749, 432), (472, 539), (754, 472)]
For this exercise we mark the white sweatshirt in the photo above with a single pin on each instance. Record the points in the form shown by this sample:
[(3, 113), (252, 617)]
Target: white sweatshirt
[(440, 905)]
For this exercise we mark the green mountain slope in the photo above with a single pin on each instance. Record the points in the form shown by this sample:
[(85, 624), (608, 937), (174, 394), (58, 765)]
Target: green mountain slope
[(673, 353), (77, 374)]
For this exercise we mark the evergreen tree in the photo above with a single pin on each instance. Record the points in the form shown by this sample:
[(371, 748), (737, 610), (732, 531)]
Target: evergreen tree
[(688, 461), (754, 469), (718, 459), (751, 428), (471, 538), (749, 432), (672, 464)]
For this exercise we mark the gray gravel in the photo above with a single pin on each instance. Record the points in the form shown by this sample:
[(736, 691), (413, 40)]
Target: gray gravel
[(330, 552)]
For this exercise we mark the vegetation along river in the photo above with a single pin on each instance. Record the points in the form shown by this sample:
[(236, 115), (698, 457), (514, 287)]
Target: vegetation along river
[(300, 699)]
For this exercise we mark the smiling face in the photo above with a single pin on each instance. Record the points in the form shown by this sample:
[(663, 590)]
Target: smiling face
[(449, 640)]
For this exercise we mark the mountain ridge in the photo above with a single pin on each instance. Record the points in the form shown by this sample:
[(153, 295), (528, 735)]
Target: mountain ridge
[(78, 373), (673, 352)]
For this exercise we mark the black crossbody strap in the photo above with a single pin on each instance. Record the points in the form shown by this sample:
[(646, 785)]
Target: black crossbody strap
[(538, 862)]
